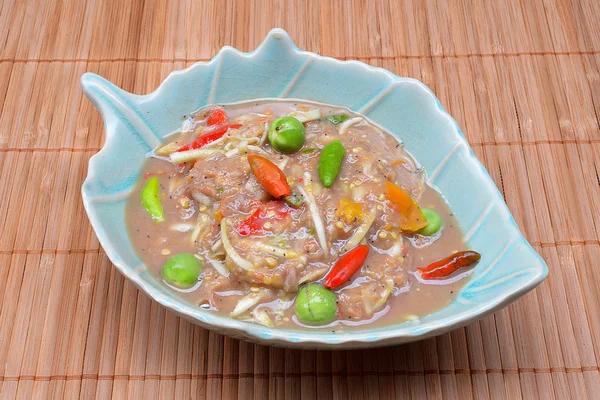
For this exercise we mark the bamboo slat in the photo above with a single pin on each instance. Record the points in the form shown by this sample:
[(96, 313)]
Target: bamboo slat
[(522, 78)]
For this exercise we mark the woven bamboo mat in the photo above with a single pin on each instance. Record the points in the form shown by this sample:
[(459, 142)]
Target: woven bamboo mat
[(522, 77)]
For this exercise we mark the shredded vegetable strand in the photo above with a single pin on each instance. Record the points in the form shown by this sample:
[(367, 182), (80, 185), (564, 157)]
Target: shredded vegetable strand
[(218, 141), (236, 151), (347, 124), (219, 266), (233, 152), (228, 146), (367, 293), (307, 178), (167, 149), (396, 249), (274, 250), (262, 317), (316, 216), (386, 294), (230, 251), (359, 233), (243, 147), (257, 149), (217, 246), (306, 116), (283, 163), (191, 155), (202, 198), (181, 227), (263, 138), (201, 224), (246, 303), (313, 276), (250, 140)]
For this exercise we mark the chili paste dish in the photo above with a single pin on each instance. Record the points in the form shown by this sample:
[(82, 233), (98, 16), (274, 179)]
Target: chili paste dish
[(291, 214), (294, 200)]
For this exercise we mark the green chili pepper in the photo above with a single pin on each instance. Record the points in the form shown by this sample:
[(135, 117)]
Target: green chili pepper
[(150, 199), (337, 118), (330, 162)]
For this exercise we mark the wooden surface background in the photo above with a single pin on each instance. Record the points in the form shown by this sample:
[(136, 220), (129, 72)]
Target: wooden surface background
[(520, 76)]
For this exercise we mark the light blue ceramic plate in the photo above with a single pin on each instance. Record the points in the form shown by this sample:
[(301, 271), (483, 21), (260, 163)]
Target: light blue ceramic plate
[(407, 108)]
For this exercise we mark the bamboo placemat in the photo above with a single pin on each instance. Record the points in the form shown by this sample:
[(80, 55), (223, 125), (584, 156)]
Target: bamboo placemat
[(522, 79)]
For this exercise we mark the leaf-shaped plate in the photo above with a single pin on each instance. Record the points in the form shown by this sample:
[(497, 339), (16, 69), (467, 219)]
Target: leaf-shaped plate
[(277, 68)]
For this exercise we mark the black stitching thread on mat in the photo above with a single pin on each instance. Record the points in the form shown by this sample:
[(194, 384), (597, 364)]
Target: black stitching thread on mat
[(50, 251), (286, 375), (348, 57), (501, 181), (518, 119), (586, 242), (49, 150), (595, 112)]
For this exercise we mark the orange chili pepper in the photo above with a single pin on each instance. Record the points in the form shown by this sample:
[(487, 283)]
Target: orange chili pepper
[(446, 266), (407, 207), (269, 176), (218, 215), (346, 266)]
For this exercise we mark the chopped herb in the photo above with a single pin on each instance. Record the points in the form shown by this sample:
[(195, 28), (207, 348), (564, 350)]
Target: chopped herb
[(309, 150), (337, 118), (294, 199)]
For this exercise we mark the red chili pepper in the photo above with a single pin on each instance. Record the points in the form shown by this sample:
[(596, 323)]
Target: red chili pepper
[(181, 167), (269, 176), (446, 266), (208, 137), (250, 225), (346, 266), (254, 223), (217, 117), (280, 210)]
